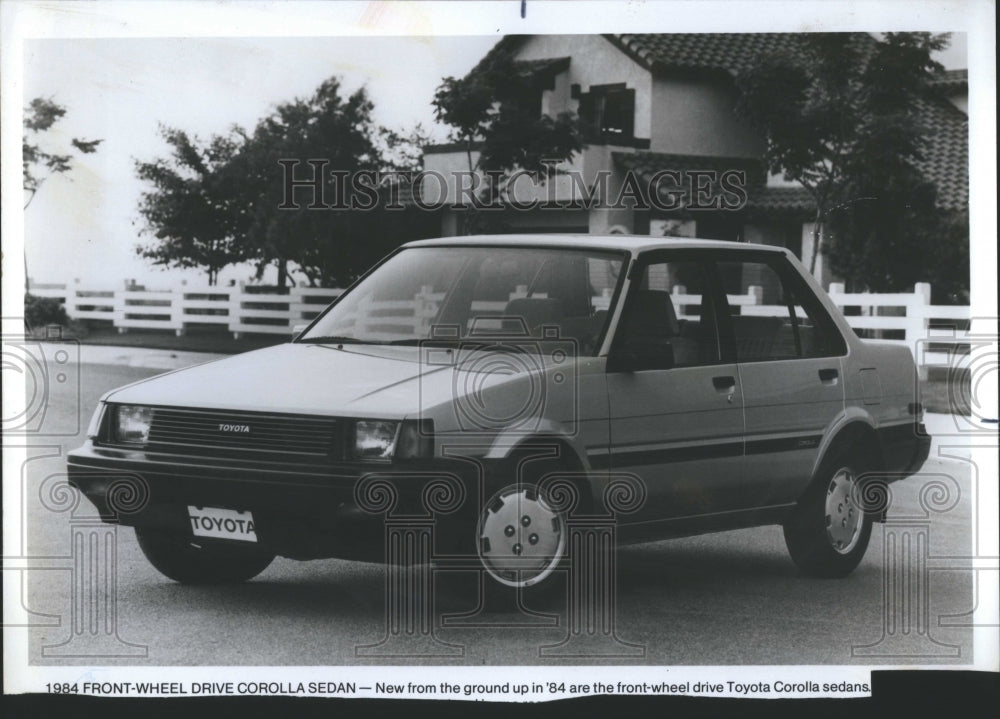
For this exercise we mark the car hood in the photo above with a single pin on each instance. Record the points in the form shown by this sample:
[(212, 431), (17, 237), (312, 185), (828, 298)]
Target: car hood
[(360, 381)]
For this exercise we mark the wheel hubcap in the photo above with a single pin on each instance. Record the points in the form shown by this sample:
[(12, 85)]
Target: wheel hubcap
[(520, 538), (844, 517)]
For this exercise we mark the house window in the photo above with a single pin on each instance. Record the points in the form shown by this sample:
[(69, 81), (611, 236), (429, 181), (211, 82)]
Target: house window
[(608, 111)]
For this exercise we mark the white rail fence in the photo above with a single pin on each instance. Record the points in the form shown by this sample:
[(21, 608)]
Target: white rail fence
[(237, 309), (933, 332)]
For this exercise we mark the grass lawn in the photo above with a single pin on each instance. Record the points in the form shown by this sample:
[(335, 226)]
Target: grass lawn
[(193, 340), (947, 391)]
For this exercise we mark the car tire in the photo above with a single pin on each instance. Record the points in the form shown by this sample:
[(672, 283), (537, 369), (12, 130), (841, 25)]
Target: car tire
[(522, 547), (184, 560), (828, 532)]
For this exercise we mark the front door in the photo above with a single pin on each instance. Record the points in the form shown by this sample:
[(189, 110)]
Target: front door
[(677, 414)]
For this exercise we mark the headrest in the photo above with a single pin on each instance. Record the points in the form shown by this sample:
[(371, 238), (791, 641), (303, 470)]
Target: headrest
[(652, 313), (535, 311)]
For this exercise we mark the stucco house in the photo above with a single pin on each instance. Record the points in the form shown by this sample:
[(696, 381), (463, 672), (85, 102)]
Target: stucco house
[(665, 102)]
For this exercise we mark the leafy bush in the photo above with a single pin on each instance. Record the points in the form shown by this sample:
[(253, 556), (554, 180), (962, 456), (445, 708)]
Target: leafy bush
[(42, 311)]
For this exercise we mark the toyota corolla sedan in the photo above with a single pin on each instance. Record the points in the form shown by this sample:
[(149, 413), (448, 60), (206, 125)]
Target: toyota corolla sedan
[(495, 390)]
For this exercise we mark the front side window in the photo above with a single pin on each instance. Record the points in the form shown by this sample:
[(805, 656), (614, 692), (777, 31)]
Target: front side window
[(773, 316), (671, 314), (460, 293)]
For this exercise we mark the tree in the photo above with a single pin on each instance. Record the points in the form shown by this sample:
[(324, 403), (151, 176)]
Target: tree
[(842, 117), (39, 164), (899, 238), (496, 109), (192, 210), (403, 152), (347, 243), (465, 104), (234, 198), (892, 233), (316, 230)]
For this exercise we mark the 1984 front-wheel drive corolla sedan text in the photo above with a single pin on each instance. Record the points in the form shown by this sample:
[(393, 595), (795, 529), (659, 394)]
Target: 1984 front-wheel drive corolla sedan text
[(507, 386)]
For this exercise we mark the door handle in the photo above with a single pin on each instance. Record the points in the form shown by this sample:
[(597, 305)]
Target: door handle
[(725, 385), (828, 376)]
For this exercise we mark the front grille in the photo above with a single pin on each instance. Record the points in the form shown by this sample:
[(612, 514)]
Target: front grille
[(245, 434)]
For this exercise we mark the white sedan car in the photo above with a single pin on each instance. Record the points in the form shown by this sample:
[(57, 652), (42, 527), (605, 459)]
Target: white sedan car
[(481, 381)]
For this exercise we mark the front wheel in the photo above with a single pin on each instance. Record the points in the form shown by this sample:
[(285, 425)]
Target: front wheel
[(828, 532), (521, 543), (187, 561)]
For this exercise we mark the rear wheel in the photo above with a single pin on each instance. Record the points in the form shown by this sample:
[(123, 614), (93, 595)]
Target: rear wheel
[(828, 533), (189, 561)]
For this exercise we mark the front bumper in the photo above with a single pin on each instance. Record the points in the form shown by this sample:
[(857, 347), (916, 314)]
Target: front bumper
[(299, 512)]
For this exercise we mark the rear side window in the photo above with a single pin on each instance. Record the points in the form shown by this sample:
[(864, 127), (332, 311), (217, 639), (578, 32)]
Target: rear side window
[(774, 315)]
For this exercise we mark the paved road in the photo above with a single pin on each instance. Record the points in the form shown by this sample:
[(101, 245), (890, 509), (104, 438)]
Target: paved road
[(731, 598)]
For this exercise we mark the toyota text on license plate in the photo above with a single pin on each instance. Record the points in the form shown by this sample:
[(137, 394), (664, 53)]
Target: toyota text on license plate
[(222, 523)]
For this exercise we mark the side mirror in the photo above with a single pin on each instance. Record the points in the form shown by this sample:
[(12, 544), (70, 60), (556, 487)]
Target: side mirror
[(638, 359), (297, 330)]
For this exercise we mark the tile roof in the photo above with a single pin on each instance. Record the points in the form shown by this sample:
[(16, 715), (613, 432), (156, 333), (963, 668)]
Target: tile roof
[(730, 52), (794, 200), (951, 81), (506, 44), (945, 159), (541, 68), (646, 164), (761, 197)]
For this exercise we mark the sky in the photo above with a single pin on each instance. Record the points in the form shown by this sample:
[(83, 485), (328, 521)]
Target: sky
[(84, 225)]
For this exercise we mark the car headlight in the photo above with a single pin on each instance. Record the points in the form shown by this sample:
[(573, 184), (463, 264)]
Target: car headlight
[(132, 424), (375, 440)]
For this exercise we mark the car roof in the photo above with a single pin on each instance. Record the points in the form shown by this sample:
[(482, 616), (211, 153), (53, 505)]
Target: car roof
[(629, 243)]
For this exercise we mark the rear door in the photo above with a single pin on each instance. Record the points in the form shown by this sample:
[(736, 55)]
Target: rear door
[(789, 355)]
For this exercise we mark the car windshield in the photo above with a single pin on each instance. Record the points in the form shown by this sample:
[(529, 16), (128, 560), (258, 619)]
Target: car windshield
[(461, 294)]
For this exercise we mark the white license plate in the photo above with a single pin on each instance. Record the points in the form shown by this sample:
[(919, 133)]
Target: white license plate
[(222, 523)]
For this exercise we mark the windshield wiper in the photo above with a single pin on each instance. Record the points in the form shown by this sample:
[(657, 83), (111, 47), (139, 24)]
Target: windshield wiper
[(465, 342), (338, 340), (410, 341)]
